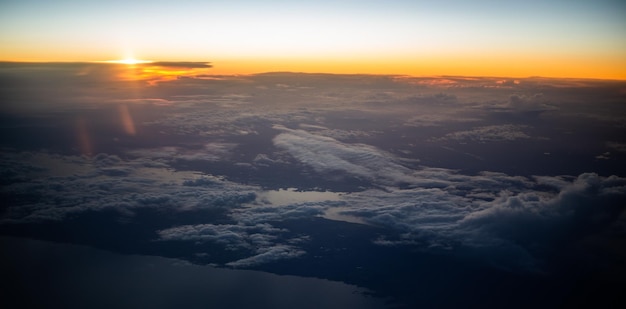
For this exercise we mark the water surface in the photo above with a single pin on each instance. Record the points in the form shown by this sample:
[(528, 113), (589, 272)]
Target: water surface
[(40, 274)]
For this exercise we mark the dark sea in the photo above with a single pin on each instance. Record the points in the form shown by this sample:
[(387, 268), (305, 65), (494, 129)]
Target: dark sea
[(41, 274)]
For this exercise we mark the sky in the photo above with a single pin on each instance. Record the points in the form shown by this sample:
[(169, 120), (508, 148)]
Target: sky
[(463, 153), (583, 39)]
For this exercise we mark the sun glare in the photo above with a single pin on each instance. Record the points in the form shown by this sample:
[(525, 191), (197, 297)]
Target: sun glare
[(130, 61)]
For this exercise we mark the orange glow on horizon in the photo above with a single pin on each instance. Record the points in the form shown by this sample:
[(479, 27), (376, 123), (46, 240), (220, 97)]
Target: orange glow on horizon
[(515, 67), (417, 38), (611, 67)]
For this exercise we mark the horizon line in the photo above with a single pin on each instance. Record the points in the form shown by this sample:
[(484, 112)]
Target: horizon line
[(209, 64)]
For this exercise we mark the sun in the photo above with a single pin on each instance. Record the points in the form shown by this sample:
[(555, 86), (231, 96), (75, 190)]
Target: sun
[(127, 61), (130, 61)]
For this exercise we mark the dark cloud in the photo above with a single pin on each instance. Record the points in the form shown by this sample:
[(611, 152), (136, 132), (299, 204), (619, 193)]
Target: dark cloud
[(620, 147), (260, 214), (180, 64), (209, 152), (244, 236), (497, 133), (432, 99), (51, 187), (260, 239), (497, 220)]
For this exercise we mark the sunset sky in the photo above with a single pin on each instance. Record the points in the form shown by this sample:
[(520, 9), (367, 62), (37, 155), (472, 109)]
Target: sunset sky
[(584, 39), (277, 154)]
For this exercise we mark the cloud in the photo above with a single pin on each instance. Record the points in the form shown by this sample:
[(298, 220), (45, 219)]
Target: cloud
[(535, 102), (327, 155), (499, 224), (619, 147), (209, 152), (180, 64), (588, 201), (335, 133), (267, 255), (439, 98), (234, 236), (262, 159), (50, 187), (486, 215), (318, 119), (495, 133), (604, 156), (437, 118), (259, 214), (261, 240)]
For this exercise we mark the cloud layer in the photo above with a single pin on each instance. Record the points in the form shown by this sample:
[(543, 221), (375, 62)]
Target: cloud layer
[(51, 187), (435, 209), (320, 131), (443, 209)]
